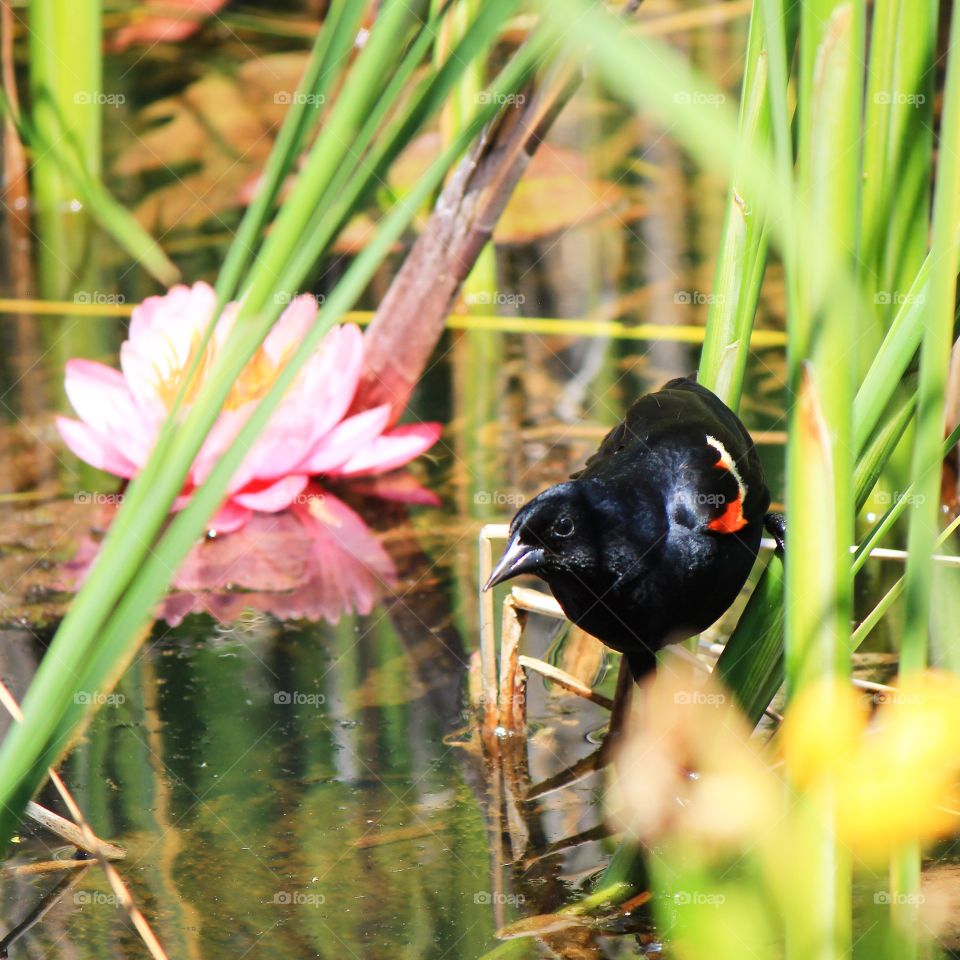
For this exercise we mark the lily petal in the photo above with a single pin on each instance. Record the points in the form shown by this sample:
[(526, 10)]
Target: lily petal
[(392, 450), (274, 497), (94, 448), (330, 380), (100, 396), (290, 328), (398, 486), (231, 516), (346, 439), (221, 435)]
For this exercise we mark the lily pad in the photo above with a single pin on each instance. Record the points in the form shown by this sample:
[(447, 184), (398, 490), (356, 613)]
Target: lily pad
[(211, 140), (214, 137)]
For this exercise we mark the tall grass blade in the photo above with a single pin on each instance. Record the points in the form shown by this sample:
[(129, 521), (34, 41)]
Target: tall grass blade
[(741, 258), (925, 467), (332, 46)]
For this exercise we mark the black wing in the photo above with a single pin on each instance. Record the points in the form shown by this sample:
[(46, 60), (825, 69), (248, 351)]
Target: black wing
[(687, 417)]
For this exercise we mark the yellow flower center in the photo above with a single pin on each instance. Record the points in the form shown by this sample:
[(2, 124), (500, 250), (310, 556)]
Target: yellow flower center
[(253, 383), (257, 377)]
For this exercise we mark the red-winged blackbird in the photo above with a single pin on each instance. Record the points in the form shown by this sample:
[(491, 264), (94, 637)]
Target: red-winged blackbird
[(654, 538)]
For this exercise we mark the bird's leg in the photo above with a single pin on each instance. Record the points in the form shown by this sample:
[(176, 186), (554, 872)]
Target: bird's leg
[(776, 526), (634, 667)]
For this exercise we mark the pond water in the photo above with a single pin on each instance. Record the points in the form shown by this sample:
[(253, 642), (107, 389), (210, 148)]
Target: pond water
[(290, 760)]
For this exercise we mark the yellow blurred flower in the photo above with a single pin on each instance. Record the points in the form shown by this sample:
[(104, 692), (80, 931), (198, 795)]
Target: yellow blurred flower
[(822, 730), (689, 769), (889, 781)]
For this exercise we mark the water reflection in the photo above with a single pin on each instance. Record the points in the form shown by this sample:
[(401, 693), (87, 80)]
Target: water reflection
[(313, 788), (316, 560)]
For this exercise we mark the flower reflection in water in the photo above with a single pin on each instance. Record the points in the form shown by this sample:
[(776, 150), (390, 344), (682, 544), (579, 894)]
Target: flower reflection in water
[(316, 560)]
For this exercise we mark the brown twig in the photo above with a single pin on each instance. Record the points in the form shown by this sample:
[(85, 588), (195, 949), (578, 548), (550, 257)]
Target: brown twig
[(70, 832), (513, 680), (565, 680), (488, 642), (583, 768), (412, 315), (41, 867)]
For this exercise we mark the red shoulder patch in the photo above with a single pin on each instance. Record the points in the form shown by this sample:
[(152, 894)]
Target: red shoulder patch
[(732, 518)]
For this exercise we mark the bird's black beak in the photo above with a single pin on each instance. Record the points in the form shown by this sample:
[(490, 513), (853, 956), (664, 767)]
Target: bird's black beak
[(517, 558)]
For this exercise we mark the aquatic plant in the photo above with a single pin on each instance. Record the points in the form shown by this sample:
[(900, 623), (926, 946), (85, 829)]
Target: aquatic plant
[(310, 433), (316, 560), (833, 121), (729, 845), (832, 161)]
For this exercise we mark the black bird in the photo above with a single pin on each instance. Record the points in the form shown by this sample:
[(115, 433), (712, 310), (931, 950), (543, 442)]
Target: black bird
[(654, 538)]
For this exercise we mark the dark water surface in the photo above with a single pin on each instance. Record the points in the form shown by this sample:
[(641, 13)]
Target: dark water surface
[(304, 790)]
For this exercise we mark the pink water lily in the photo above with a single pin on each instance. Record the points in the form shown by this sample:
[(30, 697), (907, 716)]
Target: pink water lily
[(309, 434)]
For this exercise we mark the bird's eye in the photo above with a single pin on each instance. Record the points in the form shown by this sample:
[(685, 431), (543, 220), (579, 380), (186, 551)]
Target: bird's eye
[(563, 527)]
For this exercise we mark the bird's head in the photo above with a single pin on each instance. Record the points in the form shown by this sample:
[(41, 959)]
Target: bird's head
[(573, 528)]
